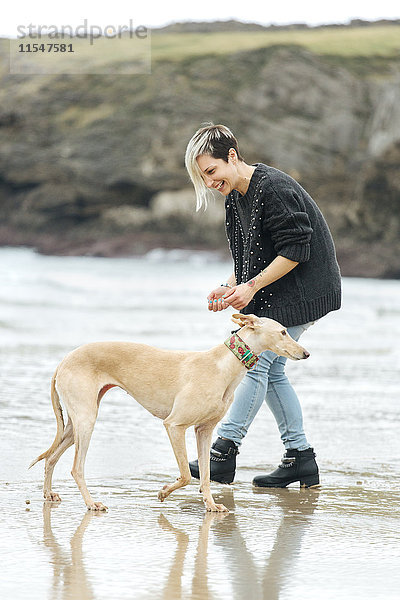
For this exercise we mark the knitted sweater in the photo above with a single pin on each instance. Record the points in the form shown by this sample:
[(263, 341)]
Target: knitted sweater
[(284, 220)]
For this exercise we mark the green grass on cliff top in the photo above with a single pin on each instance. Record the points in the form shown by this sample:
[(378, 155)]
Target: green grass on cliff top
[(382, 41), (367, 50)]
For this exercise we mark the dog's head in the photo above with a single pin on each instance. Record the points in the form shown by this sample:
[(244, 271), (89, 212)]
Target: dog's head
[(270, 335)]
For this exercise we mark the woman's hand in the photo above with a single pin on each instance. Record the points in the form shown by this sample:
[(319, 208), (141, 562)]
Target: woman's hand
[(215, 301), (239, 296)]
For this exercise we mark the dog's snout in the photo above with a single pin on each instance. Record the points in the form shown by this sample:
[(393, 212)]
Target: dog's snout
[(306, 354)]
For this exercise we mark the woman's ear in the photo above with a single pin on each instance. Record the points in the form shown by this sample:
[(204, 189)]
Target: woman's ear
[(232, 154)]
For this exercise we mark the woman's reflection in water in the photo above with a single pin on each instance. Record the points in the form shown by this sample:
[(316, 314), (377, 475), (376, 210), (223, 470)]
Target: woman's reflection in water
[(297, 507)]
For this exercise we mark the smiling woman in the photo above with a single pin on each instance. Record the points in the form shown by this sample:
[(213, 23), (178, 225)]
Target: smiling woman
[(213, 160), (225, 177), (285, 269)]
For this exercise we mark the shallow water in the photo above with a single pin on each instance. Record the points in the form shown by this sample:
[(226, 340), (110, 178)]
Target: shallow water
[(339, 542)]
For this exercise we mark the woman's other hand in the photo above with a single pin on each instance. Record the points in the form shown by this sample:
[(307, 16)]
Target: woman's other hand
[(239, 296), (215, 301)]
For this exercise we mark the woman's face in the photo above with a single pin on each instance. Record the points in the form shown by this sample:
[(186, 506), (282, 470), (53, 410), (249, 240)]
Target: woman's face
[(218, 174)]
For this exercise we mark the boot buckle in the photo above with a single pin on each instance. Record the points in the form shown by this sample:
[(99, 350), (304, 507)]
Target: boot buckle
[(215, 452), (221, 456), (217, 456)]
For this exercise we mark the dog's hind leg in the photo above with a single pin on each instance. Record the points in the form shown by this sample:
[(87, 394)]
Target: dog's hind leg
[(83, 430), (203, 437), (51, 461), (176, 434)]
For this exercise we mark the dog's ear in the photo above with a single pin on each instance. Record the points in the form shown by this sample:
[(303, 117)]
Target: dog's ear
[(243, 320)]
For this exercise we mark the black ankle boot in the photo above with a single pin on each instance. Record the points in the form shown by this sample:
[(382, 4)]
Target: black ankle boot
[(296, 465), (222, 461)]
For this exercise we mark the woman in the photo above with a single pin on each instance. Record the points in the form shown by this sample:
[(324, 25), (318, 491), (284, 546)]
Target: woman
[(285, 268)]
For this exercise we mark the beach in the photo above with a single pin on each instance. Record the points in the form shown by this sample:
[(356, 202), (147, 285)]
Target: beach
[(339, 541)]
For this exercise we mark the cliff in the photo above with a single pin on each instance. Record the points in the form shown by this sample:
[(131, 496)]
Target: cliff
[(94, 164)]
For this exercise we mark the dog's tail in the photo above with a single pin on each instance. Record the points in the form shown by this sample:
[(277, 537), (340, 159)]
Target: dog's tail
[(55, 400)]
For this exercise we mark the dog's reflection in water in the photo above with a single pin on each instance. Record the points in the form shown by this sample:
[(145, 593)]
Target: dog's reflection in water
[(246, 578), (69, 575)]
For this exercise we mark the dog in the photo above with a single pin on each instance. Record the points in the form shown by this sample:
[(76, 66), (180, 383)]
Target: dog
[(181, 388)]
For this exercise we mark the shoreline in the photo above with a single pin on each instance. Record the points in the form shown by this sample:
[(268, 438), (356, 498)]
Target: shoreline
[(362, 261), (112, 246)]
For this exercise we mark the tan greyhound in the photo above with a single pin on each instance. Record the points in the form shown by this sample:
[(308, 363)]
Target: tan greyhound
[(182, 388)]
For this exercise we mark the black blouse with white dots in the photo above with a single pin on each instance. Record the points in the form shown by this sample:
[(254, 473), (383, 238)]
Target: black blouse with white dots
[(275, 217)]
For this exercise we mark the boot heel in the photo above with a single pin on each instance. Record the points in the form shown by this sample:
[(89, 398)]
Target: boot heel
[(225, 478), (311, 481)]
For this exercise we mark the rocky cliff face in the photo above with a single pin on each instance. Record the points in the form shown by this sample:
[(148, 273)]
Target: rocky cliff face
[(94, 164)]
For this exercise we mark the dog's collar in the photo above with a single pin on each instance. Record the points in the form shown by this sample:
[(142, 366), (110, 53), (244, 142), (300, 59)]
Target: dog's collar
[(241, 350)]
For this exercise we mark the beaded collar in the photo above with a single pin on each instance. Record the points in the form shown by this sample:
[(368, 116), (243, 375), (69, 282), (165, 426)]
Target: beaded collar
[(241, 350)]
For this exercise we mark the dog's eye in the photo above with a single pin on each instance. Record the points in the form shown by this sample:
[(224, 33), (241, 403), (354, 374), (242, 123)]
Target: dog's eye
[(283, 332)]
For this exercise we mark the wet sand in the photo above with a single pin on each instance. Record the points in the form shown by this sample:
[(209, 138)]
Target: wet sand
[(332, 543)]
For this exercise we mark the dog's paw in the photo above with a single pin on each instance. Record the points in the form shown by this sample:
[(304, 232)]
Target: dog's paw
[(97, 506), (52, 497), (216, 508), (162, 494)]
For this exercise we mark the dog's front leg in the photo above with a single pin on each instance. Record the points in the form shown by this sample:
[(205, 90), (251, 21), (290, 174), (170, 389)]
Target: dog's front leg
[(203, 438), (176, 434)]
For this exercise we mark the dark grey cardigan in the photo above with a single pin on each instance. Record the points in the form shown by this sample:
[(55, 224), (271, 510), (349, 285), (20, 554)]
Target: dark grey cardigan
[(280, 218)]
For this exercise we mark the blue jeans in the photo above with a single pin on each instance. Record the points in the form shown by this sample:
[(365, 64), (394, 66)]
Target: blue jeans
[(268, 381)]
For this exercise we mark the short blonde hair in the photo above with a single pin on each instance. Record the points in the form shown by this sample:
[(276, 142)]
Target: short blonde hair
[(215, 140)]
